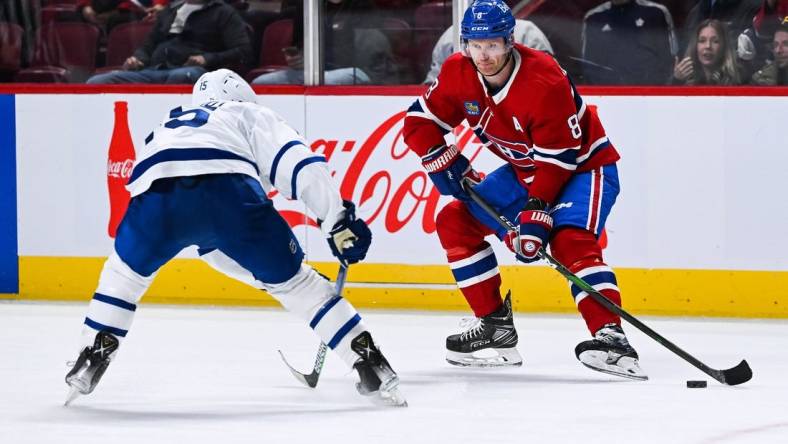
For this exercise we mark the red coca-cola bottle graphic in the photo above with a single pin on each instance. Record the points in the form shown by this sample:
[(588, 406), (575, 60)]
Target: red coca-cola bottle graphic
[(120, 161)]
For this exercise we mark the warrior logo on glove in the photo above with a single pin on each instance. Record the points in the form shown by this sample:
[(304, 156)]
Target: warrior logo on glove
[(533, 232)]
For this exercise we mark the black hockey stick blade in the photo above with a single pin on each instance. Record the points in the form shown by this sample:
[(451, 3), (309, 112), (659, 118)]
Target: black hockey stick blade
[(309, 380), (732, 376), (737, 375)]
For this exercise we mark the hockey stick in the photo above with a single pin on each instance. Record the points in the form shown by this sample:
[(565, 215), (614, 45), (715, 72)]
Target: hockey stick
[(311, 379), (739, 374)]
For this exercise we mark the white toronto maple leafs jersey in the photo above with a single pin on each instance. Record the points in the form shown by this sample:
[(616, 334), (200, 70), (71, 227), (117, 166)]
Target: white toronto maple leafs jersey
[(220, 137)]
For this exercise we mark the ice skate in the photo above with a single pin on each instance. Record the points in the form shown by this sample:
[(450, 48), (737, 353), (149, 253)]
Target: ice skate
[(376, 378), (609, 352), (90, 366), (489, 341)]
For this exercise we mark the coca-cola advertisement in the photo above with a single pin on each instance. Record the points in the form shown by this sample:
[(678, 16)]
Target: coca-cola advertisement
[(120, 162), (65, 175)]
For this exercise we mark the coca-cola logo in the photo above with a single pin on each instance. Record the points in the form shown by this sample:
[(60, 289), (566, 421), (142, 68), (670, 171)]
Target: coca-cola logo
[(120, 169), (384, 178)]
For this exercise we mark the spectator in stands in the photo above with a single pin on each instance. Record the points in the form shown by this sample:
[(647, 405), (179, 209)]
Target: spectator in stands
[(737, 15), (187, 40), (772, 15), (709, 58), (628, 42), (355, 52), (775, 72), (110, 13), (23, 13), (525, 32), (754, 42)]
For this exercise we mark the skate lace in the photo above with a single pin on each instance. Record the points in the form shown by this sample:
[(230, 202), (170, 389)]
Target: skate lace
[(612, 337), (471, 327)]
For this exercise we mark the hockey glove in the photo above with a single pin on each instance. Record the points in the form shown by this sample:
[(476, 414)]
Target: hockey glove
[(350, 237), (447, 168), (533, 232)]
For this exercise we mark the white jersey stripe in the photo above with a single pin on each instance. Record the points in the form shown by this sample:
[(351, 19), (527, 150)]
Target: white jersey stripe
[(478, 278), (471, 260)]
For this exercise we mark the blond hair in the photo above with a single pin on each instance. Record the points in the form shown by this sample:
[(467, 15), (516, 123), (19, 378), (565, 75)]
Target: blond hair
[(725, 71)]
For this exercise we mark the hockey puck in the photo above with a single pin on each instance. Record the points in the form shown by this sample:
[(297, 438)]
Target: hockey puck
[(696, 384)]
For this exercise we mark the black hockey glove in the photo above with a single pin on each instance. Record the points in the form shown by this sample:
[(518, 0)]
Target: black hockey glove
[(350, 237)]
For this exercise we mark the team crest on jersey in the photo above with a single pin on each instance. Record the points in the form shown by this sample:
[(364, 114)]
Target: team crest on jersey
[(519, 153), (472, 108)]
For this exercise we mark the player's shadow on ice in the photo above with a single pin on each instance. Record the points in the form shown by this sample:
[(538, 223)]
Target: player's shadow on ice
[(207, 412), (498, 376)]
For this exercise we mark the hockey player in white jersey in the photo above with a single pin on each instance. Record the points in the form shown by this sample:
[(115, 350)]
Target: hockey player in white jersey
[(202, 179)]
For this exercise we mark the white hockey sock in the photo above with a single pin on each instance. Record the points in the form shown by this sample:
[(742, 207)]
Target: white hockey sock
[(312, 298), (115, 301)]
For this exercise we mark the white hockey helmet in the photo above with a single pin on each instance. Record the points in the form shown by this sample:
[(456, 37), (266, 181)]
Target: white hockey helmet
[(222, 84)]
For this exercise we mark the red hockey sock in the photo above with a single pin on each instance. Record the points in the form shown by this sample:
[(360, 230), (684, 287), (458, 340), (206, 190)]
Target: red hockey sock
[(471, 258), (579, 251)]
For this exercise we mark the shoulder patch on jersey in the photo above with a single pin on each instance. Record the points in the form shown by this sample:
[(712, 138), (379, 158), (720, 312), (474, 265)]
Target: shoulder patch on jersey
[(472, 108)]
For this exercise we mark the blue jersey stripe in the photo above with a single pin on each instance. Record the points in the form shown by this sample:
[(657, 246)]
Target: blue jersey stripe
[(297, 168), (480, 134), (101, 327), (344, 331), (185, 154), (416, 107), (323, 310), (577, 97), (568, 156), (115, 301), (278, 157), (596, 152)]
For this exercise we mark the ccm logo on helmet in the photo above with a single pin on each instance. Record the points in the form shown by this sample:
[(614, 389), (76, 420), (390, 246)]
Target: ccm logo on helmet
[(480, 28)]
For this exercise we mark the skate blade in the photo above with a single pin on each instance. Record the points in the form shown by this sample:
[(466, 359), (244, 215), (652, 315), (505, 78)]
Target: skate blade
[(502, 357), (73, 393), (390, 398), (624, 367), (390, 395)]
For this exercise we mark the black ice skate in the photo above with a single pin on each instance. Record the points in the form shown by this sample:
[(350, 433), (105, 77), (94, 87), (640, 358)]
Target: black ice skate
[(489, 341), (376, 378), (609, 352), (91, 365)]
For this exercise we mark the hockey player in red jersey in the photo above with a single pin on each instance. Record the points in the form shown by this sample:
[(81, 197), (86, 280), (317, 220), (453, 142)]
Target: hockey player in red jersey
[(559, 183)]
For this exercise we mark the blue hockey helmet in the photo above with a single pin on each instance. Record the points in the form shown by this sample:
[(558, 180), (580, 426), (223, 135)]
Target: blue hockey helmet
[(487, 19)]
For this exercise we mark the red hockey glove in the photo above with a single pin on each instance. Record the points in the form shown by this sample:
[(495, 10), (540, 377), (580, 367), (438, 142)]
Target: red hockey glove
[(533, 232), (447, 168)]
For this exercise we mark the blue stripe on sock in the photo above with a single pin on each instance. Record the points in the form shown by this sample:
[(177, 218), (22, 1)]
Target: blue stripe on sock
[(115, 301), (602, 277), (481, 266), (344, 330), (323, 310), (101, 327)]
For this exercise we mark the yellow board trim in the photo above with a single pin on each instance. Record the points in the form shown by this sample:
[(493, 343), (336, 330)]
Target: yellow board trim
[(722, 293)]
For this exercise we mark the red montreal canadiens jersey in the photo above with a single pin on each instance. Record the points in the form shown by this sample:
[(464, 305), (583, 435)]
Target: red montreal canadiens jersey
[(537, 122)]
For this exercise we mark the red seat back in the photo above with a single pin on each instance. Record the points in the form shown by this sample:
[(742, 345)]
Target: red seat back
[(276, 36), (10, 46), (124, 39), (431, 20), (68, 45)]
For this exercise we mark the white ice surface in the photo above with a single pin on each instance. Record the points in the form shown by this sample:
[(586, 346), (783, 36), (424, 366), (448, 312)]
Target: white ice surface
[(193, 376)]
